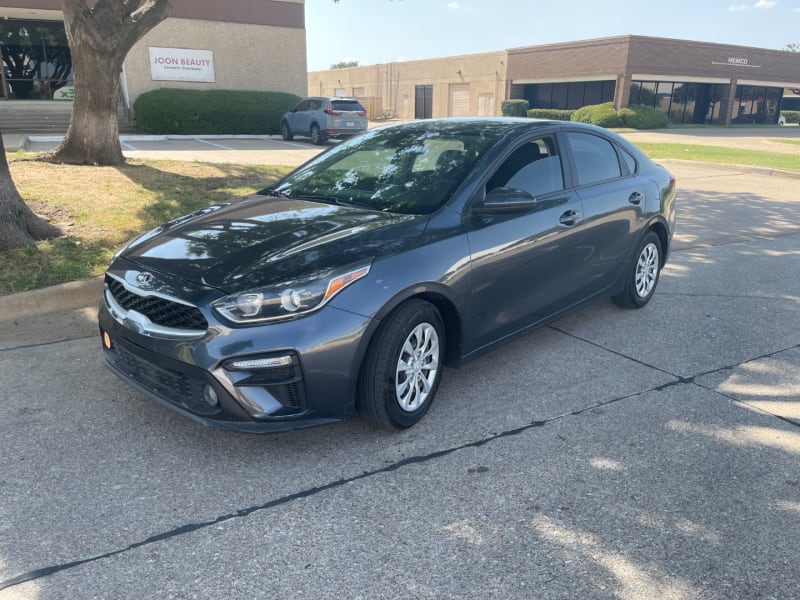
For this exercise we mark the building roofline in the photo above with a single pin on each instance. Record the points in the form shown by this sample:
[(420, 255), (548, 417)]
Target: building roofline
[(632, 37)]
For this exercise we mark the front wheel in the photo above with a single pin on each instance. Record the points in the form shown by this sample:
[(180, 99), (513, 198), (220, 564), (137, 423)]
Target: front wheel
[(317, 137), (286, 132), (642, 276), (403, 368)]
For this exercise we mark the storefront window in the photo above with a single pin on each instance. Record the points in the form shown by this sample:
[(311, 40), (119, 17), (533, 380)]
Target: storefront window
[(36, 59), (756, 105), (569, 96), (682, 102)]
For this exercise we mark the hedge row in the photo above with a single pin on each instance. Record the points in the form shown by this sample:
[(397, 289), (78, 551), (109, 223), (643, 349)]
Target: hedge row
[(635, 117), (604, 115), (792, 116), (172, 111), (515, 108), (553, 114)]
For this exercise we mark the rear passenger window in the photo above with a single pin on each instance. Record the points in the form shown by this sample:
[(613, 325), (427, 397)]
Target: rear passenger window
[(595, 158), (630, 162)]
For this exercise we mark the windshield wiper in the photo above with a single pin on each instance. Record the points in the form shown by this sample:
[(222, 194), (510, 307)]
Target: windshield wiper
[(336, 201), (276, 194), (317, 198)]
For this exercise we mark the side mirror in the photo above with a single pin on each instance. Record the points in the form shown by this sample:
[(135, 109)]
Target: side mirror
[(506, 200)]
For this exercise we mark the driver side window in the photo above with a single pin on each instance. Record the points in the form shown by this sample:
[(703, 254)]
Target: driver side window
[(534, 167)]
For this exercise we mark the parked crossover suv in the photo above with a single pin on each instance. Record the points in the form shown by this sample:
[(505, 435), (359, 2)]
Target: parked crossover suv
[(321, 118)]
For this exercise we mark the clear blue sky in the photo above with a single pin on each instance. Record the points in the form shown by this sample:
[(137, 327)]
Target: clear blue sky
[(379, 31)]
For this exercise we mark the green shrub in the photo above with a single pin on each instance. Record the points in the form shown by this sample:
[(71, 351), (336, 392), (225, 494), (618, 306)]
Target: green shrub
[(642, 117), (553, 114), (602, 115), (515, 108), (792, 116), (171, 111)]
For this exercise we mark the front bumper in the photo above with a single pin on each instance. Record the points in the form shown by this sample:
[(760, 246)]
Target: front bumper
[(211, 379)]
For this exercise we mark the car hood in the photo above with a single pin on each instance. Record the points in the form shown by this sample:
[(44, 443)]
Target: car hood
[(260, 240)]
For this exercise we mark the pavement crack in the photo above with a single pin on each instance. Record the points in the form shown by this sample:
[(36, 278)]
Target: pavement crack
[(692, 380), (688, 247), (612, 351), (725, 296), (307, 493), (50, 343), (406, 462)]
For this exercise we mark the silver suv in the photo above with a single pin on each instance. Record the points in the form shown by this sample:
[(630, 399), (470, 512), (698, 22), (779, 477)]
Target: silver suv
[(322, 117)]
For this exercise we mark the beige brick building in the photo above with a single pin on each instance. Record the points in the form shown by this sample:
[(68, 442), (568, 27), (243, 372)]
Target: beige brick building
[(693, 82), (205, 44)]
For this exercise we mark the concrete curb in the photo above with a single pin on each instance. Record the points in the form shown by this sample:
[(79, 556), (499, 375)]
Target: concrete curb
[(66, 296), (734, 167), (34, 139)]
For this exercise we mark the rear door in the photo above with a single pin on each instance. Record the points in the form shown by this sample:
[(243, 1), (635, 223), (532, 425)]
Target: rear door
[(298, 118), (613, 200)]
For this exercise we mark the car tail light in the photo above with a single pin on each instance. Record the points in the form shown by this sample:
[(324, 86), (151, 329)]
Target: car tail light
[(362, 113), (333, 113)]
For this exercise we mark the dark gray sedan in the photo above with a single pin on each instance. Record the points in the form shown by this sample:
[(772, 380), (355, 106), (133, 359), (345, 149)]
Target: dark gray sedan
[(348, 285)]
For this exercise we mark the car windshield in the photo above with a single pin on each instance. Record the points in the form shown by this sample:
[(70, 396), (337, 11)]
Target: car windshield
[(408, 169)]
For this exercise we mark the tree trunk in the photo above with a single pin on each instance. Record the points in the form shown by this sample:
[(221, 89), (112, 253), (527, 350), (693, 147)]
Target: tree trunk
[(93, 134), (100, 38), (18, 225)]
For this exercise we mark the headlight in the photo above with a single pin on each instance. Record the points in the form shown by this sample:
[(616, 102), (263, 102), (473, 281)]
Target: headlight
[(289, 299)]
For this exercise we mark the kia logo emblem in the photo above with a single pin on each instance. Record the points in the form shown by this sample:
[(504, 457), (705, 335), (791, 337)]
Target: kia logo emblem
[(145, 278)]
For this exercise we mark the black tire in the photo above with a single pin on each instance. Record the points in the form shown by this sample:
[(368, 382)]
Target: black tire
[(641, 277), (415, 326), (317, 137), (286, 132)]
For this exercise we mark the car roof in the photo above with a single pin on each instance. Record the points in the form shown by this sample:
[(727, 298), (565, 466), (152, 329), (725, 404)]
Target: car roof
[(512, 125), (518, 127), (330, 98)]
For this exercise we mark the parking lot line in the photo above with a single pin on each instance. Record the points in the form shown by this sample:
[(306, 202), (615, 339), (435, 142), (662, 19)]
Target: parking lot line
[(212, 144)]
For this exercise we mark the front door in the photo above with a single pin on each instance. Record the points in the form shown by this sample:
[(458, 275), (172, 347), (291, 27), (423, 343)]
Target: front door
[(423, 102), (524, 265)]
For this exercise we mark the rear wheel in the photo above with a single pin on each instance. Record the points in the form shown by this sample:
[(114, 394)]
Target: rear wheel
[(286, 132), (317, 137), (642, 276), (403, 368)]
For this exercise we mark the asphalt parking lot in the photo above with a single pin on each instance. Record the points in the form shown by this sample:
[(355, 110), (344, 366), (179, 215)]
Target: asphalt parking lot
[(614, 454)]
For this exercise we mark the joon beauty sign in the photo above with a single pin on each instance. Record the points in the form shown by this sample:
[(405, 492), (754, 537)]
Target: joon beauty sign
[(181, 64)]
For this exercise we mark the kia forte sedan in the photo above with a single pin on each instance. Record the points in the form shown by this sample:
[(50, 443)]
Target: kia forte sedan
[(347, 286)]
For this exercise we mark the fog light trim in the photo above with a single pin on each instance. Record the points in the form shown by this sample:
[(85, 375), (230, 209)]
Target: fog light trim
[(248, 364)]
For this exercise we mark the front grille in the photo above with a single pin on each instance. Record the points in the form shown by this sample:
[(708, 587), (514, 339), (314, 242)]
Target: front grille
[(159, 310), (177, 388)]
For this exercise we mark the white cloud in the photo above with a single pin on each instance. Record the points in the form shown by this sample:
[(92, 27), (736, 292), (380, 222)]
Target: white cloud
[(454, 5), (765, 3), (737, 7)]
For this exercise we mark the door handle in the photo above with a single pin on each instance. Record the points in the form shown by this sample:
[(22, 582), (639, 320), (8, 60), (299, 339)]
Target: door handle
[(635, 198), (569, 218)]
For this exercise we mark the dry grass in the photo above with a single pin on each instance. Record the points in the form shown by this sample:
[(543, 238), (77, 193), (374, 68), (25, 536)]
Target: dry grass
[(100, 208)]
